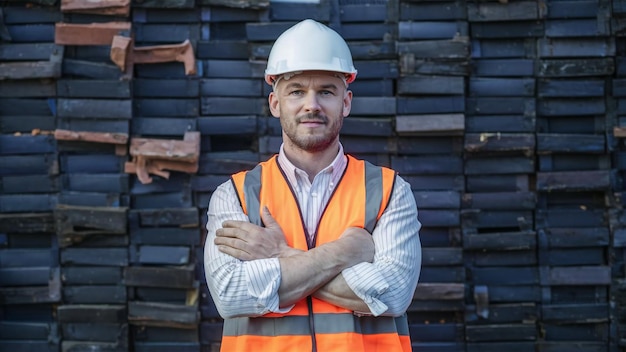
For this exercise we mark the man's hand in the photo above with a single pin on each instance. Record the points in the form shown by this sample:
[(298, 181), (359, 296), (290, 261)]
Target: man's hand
[(358, 243), (246, 241)]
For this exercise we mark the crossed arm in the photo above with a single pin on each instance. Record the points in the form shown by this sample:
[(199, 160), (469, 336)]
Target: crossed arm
[(303, 273), (250, 275)]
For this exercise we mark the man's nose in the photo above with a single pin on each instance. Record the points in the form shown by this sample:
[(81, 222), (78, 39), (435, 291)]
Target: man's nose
[(312, 102)]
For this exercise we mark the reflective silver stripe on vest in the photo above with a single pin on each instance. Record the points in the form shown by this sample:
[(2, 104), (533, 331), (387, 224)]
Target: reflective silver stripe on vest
[(324, 324), (252, 193), (373, 194)]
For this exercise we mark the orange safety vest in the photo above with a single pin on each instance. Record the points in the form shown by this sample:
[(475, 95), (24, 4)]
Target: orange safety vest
[(313, 324)]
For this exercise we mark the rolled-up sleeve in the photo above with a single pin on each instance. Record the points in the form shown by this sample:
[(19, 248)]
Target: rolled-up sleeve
[(387, 284), (238, 288)]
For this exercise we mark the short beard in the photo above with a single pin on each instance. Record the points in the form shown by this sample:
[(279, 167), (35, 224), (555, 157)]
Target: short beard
[(308, 143)]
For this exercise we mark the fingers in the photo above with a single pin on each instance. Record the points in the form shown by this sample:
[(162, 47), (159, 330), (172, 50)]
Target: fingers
[(268, 219)]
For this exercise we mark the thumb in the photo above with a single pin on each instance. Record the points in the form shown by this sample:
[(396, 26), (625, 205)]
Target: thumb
[(268, 219)]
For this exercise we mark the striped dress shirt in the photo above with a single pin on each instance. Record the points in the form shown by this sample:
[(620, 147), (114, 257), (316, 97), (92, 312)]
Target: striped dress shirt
[(250, 288)]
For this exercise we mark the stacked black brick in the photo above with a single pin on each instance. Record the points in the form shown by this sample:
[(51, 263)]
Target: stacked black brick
[(30, 274), (497, 216), (432, 51)]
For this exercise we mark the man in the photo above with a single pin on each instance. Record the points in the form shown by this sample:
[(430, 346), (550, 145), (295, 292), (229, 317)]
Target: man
[(313, 250)]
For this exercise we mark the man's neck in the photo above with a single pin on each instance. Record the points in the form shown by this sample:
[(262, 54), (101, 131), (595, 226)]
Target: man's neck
[(311, 162)]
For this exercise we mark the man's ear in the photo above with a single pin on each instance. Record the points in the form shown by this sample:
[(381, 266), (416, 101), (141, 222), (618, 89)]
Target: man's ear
[(347, 103), (273, 103)]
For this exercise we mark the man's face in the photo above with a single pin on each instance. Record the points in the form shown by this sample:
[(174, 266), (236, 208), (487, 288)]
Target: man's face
[(311, 107)]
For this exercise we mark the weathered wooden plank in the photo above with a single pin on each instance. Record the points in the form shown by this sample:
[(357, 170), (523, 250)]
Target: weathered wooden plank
[(104, 7), (162, 314), (226, 163), (457, 48), (437, 199), (95, 294), (500, 123), (171, 277), (441, 274), (577, 28), (500, 142), (95, 256), (30, 276), (26, 106), (501, 87), (510, 276), (168, 217), (91, 313), (410, 85), (570, 143), (162, 126), (502, 220), (287, 11), (29, 165), (231, 87), (103, 332), (512, 29), (440, 217), (435, 182), (504, 313), (75, 223), (94, 108), (25, 203), (495, 11), (501, 332), (432, 10), (148, 254), (504, 241), (572, 9), (571, 107), (449, 124), (575, 67), (575, 256), (27, 223), (579, 237), (442, 256), (244, 4), (222, 49), (232, 106), (31, 70), (574, 88), (429, 145), (32, 14), (439, 291), (504, 67), (18, 330), (164, 4), (500, 106), (27, 89), (570, 217), (503, 48), (499, 165), (80, 88), (91, 164), (428, 164), (89, 34), (575, 47), (431, 30), (90, 275), (27, 144), (90, 69), (578, 275), (499, 200)]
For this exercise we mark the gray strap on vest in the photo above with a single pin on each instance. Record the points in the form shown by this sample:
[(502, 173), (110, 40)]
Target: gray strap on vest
[(252, 193), (373, 194)]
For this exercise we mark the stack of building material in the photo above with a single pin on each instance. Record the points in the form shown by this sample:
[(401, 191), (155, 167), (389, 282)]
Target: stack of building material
[(30, 275), (432, 51), (573, 181)]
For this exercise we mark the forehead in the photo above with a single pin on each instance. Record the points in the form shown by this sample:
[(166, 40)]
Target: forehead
[(314, 77)]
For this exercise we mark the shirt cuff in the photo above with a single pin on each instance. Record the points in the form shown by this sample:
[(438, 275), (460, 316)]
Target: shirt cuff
[(264, 281), (368, 284)]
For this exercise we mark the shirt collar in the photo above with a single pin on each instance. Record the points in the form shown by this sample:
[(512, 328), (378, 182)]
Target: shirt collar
[(336, 167)]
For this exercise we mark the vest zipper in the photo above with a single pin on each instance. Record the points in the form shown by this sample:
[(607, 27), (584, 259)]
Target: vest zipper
[(309, 302)]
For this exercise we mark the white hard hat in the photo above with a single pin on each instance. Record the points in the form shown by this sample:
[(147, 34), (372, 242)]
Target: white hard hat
[(309, 45)]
